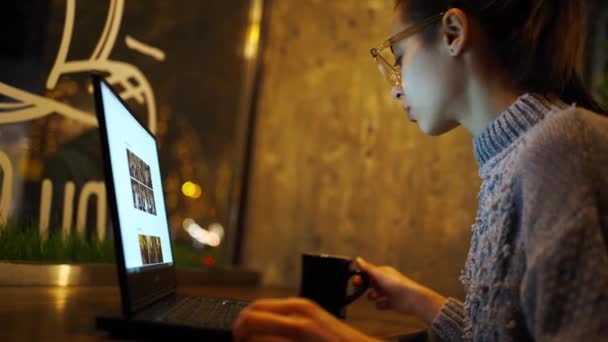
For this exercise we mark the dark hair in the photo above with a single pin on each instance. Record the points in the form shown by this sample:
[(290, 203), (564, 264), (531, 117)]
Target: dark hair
[(540, 42)]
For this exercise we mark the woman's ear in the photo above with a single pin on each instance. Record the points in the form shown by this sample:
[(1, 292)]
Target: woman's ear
[(455, 31)]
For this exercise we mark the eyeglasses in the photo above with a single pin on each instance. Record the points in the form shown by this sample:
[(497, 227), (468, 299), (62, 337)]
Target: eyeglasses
[(384, 56)]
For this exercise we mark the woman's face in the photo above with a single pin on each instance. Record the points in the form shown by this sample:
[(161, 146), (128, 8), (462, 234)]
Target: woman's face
[(430, 88)]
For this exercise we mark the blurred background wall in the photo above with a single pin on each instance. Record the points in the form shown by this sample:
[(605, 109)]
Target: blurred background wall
[(337, 167)]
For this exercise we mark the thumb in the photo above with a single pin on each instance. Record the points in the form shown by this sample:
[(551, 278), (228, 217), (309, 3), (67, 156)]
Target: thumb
[(366, 267)]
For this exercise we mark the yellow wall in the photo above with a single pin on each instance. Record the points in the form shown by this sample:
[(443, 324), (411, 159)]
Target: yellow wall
[(338, 168)]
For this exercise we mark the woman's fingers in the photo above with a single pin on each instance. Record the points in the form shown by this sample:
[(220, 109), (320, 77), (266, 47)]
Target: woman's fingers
[(293, 305), (364, 265), (373, 295), (383, 303), (253, 322), (373, 272), (307, 322), (357, 281)]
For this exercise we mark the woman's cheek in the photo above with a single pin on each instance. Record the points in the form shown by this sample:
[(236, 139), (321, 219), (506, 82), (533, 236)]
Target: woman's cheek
[(424, 84), (412, 84)]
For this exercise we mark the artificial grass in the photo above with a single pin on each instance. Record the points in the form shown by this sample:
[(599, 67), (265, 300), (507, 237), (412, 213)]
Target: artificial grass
[(22, 242)]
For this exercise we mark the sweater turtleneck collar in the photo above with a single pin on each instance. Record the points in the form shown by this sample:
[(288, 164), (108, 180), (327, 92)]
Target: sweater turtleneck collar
[(523, 114)]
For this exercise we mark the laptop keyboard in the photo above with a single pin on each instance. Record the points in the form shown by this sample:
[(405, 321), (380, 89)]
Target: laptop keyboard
[(205, 312)]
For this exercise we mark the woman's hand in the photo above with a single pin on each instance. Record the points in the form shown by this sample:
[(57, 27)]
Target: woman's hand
[(392, 290), (291, 319)]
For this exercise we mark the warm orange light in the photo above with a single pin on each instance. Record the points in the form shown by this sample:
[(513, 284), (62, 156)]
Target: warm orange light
[(63, 275), (191, 190), (252, 38), (60, 296)]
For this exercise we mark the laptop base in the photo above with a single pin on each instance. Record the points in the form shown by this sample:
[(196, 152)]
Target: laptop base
[(124, 328)]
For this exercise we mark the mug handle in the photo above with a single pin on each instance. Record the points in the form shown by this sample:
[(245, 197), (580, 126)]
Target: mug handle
[(361, 289)]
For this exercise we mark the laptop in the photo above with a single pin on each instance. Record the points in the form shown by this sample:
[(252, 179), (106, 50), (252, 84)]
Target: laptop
[(151, 308)]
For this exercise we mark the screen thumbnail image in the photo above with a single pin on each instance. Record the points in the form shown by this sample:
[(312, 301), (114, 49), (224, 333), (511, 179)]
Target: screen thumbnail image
[(150, 249), (139, 170), (143, 197)]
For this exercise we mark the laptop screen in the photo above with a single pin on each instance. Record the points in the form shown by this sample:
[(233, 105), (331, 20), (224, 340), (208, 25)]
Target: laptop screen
[(138, 187)]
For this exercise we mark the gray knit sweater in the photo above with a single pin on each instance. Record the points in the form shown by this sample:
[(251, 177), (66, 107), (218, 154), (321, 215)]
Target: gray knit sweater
[(537, 268)]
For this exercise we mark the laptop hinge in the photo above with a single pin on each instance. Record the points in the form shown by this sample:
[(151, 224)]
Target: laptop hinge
[(137, 307)]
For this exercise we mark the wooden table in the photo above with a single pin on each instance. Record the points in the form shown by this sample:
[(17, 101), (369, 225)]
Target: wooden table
[(68, 313)]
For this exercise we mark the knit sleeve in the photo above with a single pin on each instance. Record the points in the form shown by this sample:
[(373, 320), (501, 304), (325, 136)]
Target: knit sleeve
[(564, 291), (449, 323)]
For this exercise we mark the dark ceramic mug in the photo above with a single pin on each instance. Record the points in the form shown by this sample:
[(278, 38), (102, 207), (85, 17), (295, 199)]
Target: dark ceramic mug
[(325, 280)]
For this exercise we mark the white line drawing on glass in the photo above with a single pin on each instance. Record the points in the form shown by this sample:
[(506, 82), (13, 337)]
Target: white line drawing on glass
[(28, 106), (34, 106), (133, 82), (145, 49)]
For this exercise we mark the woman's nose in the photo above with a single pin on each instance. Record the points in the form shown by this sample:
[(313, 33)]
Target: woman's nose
[(397, 93)]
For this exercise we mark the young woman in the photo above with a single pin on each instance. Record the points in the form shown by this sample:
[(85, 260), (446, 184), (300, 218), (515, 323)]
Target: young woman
[(509, 71)]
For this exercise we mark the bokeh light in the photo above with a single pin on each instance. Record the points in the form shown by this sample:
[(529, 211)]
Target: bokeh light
[(192, 190), (211, 238)]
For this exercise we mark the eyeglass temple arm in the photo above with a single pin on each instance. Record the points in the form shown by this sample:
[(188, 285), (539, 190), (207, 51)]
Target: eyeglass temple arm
[(406, 33)]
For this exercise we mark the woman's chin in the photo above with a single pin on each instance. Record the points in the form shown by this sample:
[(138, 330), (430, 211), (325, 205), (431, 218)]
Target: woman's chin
[(436, 130), (428, 128), (428, 131)]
